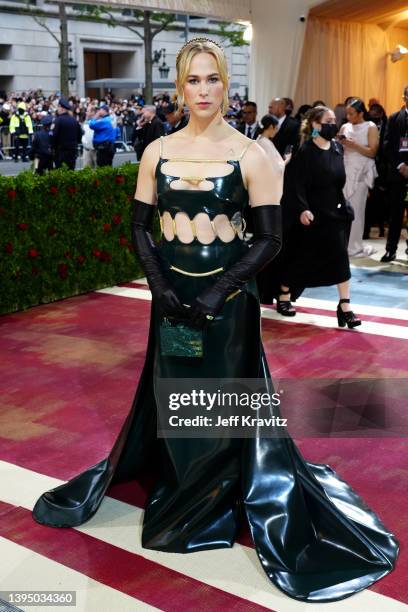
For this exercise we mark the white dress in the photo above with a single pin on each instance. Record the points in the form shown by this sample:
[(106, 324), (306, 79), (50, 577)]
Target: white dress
[(271, 151), (360, 175)]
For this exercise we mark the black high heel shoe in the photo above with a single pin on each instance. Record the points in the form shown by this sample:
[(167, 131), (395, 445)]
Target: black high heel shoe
[(285, 307), (346, 318)]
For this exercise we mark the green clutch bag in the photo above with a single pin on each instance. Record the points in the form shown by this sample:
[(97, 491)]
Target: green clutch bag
[(177, 339)]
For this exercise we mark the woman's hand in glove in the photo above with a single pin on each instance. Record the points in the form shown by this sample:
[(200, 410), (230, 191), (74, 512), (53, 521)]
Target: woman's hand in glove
[(266, 245), (203, 309), (170, 305), (160, 286)]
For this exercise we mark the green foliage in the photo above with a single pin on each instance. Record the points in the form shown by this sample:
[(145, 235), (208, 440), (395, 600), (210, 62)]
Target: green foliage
[(65, 233), (116, 17), (235, 37)]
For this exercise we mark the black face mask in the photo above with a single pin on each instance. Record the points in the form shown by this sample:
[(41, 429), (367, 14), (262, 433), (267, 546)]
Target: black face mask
[(328, 131)]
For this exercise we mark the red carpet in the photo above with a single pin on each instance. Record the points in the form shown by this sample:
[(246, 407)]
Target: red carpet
[(69, 372)]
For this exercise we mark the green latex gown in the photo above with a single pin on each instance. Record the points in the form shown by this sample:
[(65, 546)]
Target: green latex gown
[(316, 539)]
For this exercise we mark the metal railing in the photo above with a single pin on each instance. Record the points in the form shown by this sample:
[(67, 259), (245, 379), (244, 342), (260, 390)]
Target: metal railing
[(7, 141)]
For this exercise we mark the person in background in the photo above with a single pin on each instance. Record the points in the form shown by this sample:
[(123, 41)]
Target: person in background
[(5, 140), (287, 136), (318, 257), (66, 136), (249, 125), (175, 118), (89, 152), (302, 110), (396, 151), (21, 127), (376, 208), (267, 278), (340, 112), (147, 128), (104, 135), (41, 147), (290, 106), (268, 129), (359, 137)]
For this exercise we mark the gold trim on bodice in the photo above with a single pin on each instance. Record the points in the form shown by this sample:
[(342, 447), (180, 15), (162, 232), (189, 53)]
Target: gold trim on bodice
[(215, 271)]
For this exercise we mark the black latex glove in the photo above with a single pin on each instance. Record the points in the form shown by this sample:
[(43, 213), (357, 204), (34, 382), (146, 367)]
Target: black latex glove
[(267, 241), (142, 239)]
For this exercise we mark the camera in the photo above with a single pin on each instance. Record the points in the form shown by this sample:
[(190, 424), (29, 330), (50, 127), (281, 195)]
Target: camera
[(302, 18)]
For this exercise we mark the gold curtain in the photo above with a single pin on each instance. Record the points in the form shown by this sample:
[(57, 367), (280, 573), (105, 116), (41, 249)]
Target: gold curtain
[(342, 59)]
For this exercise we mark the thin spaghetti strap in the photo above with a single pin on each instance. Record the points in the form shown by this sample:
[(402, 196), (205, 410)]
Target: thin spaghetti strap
[(245, 150)]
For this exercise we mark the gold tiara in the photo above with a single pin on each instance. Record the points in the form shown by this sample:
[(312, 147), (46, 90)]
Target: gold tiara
[(199, 39)]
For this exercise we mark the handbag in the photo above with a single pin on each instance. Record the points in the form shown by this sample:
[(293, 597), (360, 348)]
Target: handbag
[(178, 339)]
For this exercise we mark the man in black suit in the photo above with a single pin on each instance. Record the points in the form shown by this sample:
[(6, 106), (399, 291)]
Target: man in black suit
[(288, 133), (396, 151), (147, 128), (175, 117), (249, 126)]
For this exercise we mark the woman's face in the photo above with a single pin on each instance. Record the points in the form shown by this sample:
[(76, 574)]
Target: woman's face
[(203, 89), (354, 116), (328, 117)]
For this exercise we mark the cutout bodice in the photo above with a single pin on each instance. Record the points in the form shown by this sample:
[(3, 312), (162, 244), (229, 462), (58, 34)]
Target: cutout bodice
[(227, 196)]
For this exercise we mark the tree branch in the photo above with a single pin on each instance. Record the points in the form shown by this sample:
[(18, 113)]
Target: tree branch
[(114, 21), (163, 26), (41, 23)]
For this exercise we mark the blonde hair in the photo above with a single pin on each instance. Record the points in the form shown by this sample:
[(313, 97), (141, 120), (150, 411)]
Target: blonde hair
[(183, 62)]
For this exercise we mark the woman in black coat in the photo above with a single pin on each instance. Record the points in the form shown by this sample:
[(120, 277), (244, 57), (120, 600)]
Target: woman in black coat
[(318, 254)]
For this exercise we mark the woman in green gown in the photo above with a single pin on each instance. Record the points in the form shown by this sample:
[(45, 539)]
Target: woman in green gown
[(316, 539)]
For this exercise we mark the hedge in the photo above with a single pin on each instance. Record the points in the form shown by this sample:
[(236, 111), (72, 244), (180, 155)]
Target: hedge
[(64, 233)]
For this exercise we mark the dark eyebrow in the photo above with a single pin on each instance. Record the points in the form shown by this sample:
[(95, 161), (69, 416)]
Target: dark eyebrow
[(198, 76)]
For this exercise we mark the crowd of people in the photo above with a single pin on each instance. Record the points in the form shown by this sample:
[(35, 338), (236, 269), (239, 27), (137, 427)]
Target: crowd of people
[(135, 123), (53, 130)]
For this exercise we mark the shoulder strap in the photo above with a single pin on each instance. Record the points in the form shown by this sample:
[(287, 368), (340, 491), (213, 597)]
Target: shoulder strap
[(246, 149)]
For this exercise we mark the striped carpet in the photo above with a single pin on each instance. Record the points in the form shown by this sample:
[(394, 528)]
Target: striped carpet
[(69, 372)]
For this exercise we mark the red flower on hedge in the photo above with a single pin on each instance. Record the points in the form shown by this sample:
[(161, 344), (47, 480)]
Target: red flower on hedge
[(96, 253), (130, 198), (107, 227), (123, 241), (81, 259), (63, 270), (71, 189), (120, 179), (68, 254), (52, 231), (22, 226), (8, 247), (53, 190), (116, 219), (11, 194), (33, 253), (97, 182)]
